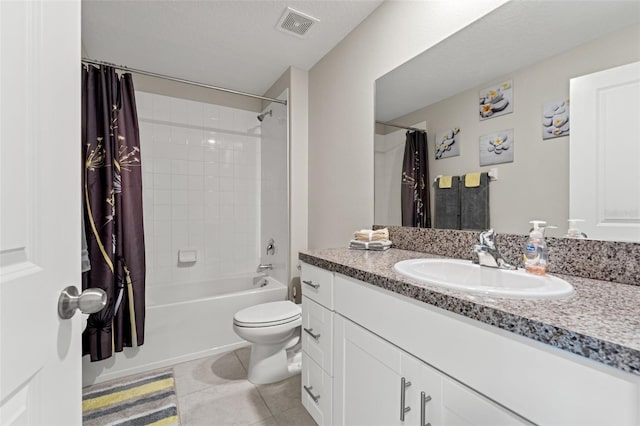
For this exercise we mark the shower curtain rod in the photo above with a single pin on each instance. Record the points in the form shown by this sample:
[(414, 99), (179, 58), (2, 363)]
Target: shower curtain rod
[(181, 80), (400, 127)]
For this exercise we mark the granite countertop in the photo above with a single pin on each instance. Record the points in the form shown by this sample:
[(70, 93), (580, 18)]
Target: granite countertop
[(601, 321)]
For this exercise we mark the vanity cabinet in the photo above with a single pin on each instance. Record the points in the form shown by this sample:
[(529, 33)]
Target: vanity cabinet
[(487, 375), (471, 373), (376, 383), (317, 342)]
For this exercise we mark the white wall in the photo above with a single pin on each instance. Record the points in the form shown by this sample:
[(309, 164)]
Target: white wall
[(517, 198), (161, 86), (296, 82), (274, 202), (201, 187), (298, 168), (341, 107)]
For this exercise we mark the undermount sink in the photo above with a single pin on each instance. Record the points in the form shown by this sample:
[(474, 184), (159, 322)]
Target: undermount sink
[(465, 276)]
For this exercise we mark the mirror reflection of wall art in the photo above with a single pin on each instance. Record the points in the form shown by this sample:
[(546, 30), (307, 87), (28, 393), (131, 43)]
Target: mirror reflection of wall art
[(496, 101), (447, 143), (496, 148), (555, 119)]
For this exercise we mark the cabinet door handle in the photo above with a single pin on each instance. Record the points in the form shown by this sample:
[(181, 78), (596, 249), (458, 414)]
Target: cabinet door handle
[(314, 397), (404, 384), (311, 284), (309, 331), (424, 399)]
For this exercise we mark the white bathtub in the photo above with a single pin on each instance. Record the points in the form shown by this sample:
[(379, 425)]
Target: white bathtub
[(185, 322)]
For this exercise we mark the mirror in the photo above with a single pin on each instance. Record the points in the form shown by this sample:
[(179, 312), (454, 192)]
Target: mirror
[(535, 47)]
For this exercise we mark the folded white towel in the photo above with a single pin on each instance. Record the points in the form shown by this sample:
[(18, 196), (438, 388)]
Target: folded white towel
[(371, 235), (370, 245)]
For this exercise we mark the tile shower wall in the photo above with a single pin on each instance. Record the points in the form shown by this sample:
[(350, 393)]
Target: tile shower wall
[(201, 188)]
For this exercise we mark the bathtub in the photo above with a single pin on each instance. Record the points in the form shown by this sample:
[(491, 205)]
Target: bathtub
[(185, 322)]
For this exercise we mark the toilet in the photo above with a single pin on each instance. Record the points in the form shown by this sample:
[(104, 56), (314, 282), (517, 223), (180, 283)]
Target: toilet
[(273, 329)]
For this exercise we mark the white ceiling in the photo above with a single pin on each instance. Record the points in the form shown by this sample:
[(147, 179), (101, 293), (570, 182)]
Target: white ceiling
[(232, 44), (513, 36)]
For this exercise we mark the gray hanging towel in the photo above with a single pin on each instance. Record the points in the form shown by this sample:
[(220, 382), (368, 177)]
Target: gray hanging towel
[(447, 210), (474, 205)]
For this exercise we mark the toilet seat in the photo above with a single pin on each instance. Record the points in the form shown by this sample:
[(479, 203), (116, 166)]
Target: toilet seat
[(268, 314), (265, 324)]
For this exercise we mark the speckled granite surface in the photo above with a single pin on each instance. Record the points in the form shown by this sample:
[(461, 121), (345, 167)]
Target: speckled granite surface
[(601, 321), (601, 260)]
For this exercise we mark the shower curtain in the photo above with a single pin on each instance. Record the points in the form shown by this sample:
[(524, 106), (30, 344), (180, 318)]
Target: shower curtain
[(112, 208), (415, 199)]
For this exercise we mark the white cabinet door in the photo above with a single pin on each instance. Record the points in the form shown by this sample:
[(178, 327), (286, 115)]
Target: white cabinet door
[(424, 396), (463, 407), (439, 401), (605, 153), (367, 387), (367, 377), (40, 355)]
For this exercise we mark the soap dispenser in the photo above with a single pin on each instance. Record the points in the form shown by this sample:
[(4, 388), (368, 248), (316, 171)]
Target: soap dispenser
[(535, 250), (573, 231)]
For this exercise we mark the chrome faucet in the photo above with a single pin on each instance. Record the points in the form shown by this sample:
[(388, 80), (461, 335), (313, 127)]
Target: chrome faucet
[(487, 254), (264, 266)]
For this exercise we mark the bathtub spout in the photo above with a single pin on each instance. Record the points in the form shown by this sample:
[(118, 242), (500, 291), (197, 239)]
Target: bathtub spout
[(264, 266)]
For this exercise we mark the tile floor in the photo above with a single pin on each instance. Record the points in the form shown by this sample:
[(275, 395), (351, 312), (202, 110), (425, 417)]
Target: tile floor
[(215, 391)]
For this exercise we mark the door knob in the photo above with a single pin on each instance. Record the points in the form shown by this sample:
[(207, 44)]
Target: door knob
[(90, 301)]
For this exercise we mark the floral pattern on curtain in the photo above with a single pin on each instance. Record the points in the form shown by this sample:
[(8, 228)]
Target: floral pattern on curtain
[(112, 205), (416, 210)]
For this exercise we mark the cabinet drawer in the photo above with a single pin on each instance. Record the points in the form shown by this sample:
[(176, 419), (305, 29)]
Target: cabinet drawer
[(317, 334), (317, 284), (316, 391)]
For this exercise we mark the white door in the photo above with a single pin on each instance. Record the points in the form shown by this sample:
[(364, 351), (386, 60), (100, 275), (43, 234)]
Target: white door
[(40, 354), (605, 153)]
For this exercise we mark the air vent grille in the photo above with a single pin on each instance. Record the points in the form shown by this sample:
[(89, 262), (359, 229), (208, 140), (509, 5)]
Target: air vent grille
[(295, 22)]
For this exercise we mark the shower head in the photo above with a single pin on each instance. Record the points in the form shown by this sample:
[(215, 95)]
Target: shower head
[(264, 114)]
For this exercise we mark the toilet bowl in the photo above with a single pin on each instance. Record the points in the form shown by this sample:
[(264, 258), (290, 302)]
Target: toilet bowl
[(273, 329)]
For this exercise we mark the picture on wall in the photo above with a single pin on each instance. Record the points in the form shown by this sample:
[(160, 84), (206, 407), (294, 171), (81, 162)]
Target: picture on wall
[(496, 101), (555, 119), (448, 143), (496, 148)]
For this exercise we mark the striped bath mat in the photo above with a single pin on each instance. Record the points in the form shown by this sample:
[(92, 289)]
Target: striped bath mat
[(148, 399)]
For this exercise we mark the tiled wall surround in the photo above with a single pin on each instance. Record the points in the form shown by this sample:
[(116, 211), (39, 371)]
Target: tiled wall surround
[(600, 260), (201, 187)]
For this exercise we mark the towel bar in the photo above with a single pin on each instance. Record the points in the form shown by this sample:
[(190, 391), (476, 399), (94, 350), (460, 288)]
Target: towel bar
[(493, 175)]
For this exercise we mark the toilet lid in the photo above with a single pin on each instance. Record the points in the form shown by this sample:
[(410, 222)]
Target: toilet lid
[(267, 314)]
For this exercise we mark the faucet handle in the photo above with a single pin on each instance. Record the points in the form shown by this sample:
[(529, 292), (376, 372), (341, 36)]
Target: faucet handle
[(488, 238), (271, 248)]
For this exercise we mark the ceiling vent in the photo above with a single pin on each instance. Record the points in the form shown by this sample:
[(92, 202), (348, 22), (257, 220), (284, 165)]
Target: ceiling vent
[(296, 23)]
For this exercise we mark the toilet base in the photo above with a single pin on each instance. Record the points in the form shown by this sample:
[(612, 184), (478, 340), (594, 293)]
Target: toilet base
[(269, 364)]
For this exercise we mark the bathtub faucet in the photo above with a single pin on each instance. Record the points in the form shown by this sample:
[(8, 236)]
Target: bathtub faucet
[(264, 266)]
